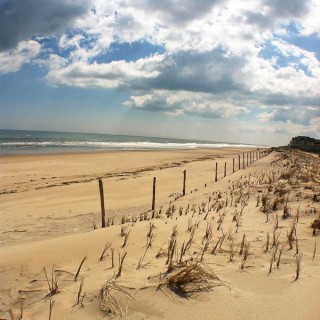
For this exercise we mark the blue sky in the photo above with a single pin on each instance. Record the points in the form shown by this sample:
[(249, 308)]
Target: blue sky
[(239, 71)]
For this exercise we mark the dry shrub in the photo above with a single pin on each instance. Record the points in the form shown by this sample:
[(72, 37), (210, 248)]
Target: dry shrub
[(114, 299), (315, 225), (275, 203), (191, 280), (53, 283)]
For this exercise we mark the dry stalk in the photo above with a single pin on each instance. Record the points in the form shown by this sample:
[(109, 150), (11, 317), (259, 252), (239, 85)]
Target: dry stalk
[(215, 247), (245, 254), (51, 304), (242, 245), (121, 260), (267, 243), (291, 235), (79, 293), (126, 236), (275, 238), (298, 266), (105, 249), (298, 215), (112, 258), (53, 284), (208, 234), (231, 253), (271, 263), (79, 268), (276, 222), (205, 248), (279, 257)]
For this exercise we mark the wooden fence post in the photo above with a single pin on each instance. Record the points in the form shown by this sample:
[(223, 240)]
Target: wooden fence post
[(239, 162), (184, 182), (247, 159), (243, 161), (216, 177), (225, 168), (233, 165), (154, 193), (103, 212)]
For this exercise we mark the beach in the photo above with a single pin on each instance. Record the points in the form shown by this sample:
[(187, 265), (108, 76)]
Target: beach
[(51, 218)]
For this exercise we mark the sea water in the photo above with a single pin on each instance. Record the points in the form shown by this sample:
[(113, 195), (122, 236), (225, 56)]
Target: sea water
[(28, 142)]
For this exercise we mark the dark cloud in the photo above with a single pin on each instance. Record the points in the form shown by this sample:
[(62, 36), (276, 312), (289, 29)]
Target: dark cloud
[(179, 11), (300, 115), (288, 8), (208, 72), (23, 19), (277, 10), (284, 100), (259, 19), (156, 103)]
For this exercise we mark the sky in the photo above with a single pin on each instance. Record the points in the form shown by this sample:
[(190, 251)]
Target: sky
[(243, 71)]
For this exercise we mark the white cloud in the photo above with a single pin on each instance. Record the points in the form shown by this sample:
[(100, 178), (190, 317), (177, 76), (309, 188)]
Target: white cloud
[(12, 60), (182, 102), (104, 75)]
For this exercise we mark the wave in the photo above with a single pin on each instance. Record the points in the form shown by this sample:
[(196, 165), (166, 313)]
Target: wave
[(142, 145)]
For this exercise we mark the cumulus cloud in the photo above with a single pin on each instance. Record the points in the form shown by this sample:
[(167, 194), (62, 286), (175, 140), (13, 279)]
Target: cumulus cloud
[(178, 12), (23, 19), (105, 75), (12, 60), (183, 102)]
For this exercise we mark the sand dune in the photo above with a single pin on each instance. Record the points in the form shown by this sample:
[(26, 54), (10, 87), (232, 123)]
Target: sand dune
[(274, 198)]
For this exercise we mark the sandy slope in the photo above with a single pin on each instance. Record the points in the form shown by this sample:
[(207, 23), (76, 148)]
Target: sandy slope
[(248, 293)]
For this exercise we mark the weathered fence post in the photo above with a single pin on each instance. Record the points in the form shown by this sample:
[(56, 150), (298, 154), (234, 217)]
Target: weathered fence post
[(103, 212), (154, 194), (184, 182), (243, 161), (233, 165), (239, 162), (216, 177), (225, 168), (247, 159)]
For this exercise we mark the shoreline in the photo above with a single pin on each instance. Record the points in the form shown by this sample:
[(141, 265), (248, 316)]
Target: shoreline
[(62, 151)]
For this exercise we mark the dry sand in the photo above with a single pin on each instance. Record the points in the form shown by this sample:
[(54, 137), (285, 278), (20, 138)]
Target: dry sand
[(49, 206)]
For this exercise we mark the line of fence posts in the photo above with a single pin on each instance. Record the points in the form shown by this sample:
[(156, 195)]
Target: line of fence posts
[(250, 159)]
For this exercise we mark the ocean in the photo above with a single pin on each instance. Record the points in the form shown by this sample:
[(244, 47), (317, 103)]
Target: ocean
[(29, 142)]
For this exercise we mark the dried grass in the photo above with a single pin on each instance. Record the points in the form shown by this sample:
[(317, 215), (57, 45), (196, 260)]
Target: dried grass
[(191, 280)]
